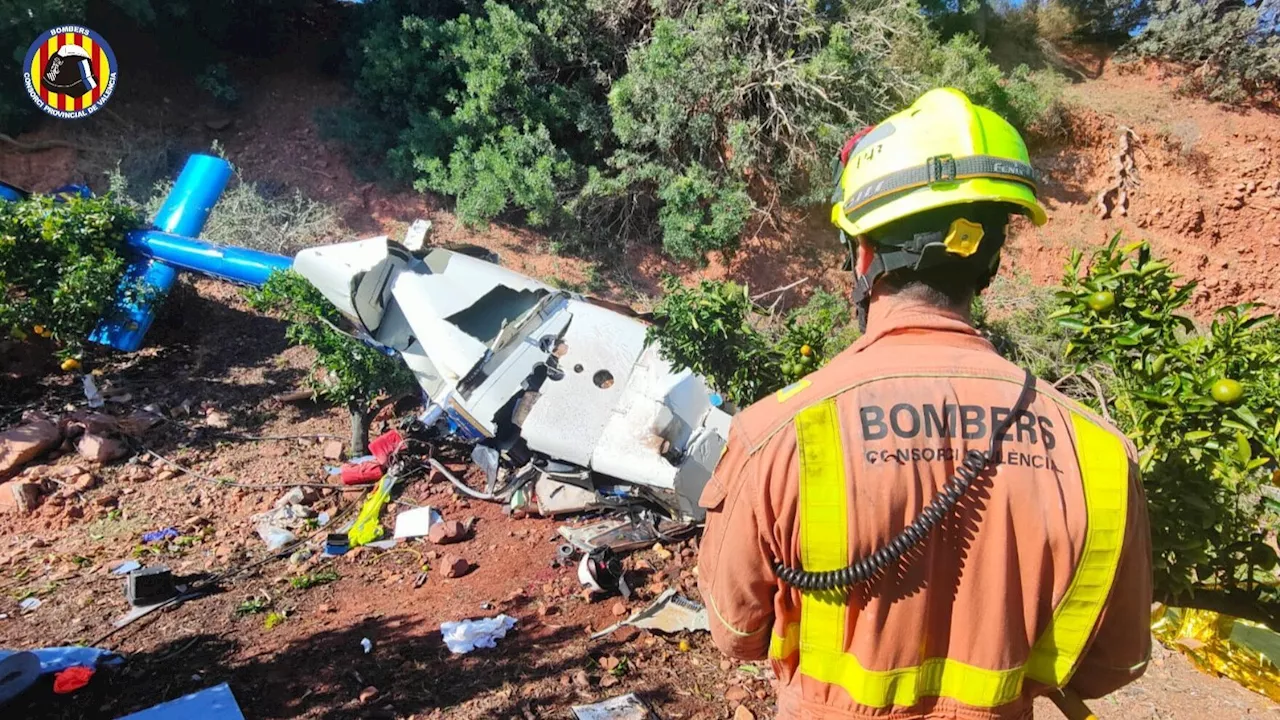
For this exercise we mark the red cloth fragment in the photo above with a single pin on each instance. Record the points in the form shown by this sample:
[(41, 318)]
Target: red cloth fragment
[(386, 445), (72, 679), (364, 473)]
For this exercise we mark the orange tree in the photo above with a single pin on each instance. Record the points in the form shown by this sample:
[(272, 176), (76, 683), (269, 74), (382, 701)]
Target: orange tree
[(60, 263), (1201, 406)]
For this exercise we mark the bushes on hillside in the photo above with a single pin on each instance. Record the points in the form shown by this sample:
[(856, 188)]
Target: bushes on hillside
[(1231, 49), (60, 263), (671, 122)]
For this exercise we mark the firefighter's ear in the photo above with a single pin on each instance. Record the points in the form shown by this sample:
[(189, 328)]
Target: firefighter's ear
[(866, 253)]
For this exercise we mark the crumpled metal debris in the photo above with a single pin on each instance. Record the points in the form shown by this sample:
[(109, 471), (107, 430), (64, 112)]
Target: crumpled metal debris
[(669, 613), (1244, 651)]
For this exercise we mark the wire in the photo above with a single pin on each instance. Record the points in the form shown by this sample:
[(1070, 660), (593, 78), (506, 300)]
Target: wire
[(942, 505)]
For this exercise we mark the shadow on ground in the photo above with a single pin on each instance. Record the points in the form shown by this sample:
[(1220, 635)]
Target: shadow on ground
[(321, 676)]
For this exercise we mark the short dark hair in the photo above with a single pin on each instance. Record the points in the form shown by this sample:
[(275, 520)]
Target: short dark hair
[(955, 283)]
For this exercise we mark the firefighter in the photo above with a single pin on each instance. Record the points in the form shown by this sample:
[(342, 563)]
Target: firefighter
[(921, 529)]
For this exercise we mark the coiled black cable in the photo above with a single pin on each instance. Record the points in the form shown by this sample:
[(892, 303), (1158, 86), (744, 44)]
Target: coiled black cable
[(863, 569)]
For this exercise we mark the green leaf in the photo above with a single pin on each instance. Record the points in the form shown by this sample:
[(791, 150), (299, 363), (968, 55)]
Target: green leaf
[(1243, 452)]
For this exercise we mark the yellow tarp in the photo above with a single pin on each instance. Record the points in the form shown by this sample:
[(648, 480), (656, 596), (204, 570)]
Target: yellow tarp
[(1244, 651)]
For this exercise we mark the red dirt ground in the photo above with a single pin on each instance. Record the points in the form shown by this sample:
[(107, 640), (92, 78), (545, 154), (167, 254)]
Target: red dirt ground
[(209, 348)]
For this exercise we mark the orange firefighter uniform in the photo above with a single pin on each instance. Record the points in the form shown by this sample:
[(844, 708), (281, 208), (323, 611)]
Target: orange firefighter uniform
[(1040, 579)]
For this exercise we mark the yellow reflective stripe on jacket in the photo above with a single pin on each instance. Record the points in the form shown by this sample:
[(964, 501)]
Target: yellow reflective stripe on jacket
[(824, 534), (824, 525), (1104, 467)]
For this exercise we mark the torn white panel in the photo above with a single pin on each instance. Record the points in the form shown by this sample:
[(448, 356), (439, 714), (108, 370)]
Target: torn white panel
[(657, 404), (512, 365), (600, 349), (353, 276)]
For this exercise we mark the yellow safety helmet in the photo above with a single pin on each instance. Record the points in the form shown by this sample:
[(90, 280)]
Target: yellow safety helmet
[(943, 150), (928, 185)]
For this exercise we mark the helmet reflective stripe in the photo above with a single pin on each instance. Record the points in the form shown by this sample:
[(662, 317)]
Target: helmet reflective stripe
[(943, 150)]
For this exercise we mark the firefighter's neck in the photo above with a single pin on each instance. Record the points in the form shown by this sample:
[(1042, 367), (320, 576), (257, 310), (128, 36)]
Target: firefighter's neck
[(888, 304)]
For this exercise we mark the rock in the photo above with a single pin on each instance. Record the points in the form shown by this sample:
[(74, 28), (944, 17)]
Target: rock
[(21, 445), (139, 422), (100, 449), (625, 634), (446, 532), (108, 500), (75, 512), (736, 695), (1234, 203), (454, 567), (83, 482), (217, 419), (19, 497), (581, 680), (218, 124), (608, 681), (368, 694), (742, 713), (619, 609), (661, 552), (1250, 187), (332, 450)]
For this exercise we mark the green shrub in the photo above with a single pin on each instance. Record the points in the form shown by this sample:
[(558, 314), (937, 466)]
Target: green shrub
[(717, 331), (1204, 460), (498, 107), (1016, 315), (1231, 52), (60, 265), (346, 371), (609, 123), (1025, 98)]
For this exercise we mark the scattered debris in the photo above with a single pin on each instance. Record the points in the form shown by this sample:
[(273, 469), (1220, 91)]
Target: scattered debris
[(367, 645), (453, 566), (416, 522), (368, 525), (124, 567), (669, 613), (150, 586), (215, 703), (384, 447), (26, 442), (336, 544), (91, 393), (463, 636), (30, 604), (160, 535), (72, 679), (368, 694), (600, 571), (360, 473), (625, 707), (415, 238), (623, 534)]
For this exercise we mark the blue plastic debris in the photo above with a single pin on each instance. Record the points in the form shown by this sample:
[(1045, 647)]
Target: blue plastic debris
[(168, 533), (215, 703)]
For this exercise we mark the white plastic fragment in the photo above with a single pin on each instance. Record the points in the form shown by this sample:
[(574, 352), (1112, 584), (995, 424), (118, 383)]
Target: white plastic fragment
[(466, 635)]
